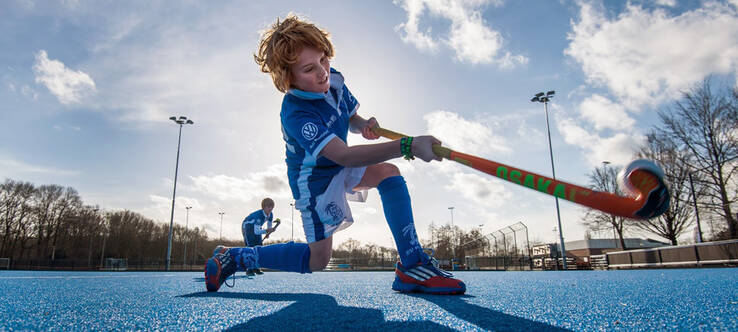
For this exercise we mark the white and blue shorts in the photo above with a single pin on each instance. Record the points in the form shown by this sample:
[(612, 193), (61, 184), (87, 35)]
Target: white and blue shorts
[(329, 212)]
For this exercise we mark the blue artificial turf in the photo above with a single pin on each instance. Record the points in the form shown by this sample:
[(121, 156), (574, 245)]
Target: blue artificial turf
[(673, 299)]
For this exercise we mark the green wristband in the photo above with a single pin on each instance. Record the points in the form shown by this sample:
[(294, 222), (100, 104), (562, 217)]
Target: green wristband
[(406, 144)]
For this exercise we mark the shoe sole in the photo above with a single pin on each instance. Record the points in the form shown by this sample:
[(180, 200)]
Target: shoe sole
[(212, 273), (415, 288)]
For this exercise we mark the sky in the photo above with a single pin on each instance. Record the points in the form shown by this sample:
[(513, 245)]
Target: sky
[(87, 87)]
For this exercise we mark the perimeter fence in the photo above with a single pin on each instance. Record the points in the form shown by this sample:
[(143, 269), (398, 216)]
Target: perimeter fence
[(507, 248), (110, 264)]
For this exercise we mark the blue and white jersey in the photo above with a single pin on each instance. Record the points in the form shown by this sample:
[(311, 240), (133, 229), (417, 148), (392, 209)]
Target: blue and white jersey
[(256, 220), (309, 121)]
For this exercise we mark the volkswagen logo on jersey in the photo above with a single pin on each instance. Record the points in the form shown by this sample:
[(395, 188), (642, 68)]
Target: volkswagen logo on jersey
[(334, 211), (309, 131)]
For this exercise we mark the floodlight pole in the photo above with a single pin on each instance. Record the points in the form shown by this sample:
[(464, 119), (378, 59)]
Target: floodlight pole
[(453, 236), (292, 221), (187, 224), (496, 251), (221, 225), (527, 244), (182, 120), (541, 98)]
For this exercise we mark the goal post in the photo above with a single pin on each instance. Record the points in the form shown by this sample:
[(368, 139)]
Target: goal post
[(116, 264)]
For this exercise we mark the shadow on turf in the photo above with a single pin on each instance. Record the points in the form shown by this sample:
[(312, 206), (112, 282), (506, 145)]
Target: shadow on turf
[(322, 312), (484, 317)]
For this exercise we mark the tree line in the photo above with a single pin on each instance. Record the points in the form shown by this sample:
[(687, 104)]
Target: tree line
[(50, 223)]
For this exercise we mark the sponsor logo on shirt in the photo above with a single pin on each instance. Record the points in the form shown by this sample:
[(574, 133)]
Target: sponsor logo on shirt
[(309, 131)]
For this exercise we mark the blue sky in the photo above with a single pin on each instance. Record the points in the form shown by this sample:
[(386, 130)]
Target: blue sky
[(86, 90)]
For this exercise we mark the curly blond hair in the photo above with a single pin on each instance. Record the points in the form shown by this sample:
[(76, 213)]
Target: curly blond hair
[(282, 43)]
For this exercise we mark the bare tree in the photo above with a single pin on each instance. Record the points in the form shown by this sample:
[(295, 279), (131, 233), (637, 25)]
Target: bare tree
[(704, 122), (350, 247), (605, 179), (38, 222), (53, 204), (674, 162), (15, 199)]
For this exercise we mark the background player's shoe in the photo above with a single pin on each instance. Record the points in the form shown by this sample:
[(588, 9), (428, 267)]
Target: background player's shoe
[(258, 271), (250, 272), (218, 268), (426, 278)]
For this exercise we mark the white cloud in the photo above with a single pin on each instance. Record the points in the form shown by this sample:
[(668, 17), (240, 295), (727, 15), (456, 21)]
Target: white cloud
[(67, 85), (271, 182), (482, 190), (29, 92), (604, 113), (468, 35), (163, 205), (467, 136), (618, 148), (647, 56), (667, 3)]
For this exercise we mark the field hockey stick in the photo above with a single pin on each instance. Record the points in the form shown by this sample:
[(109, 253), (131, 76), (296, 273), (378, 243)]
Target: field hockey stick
[(642, 181), (276, 224)]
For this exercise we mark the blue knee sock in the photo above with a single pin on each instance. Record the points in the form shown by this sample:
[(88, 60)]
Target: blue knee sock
[(399, 215), (289, 257)]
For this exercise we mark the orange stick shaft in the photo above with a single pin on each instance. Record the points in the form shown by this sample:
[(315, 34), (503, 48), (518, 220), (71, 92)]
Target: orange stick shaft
[(603, 201)]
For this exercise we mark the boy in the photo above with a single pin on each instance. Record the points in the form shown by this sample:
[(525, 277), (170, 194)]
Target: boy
[(318, 110), (251, 227)]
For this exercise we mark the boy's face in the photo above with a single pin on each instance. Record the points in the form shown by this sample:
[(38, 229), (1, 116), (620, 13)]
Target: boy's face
[(311, 71), (268, 209)]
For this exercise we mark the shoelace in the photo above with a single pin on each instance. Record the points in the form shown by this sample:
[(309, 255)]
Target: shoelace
[(435, 263), (225, 282)]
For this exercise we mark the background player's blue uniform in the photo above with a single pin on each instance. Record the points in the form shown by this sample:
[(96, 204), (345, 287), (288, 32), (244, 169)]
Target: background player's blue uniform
[(251, 227)]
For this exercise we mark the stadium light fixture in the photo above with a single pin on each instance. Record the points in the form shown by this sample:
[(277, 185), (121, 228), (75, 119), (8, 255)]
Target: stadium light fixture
[(539, 97), (181, 121)]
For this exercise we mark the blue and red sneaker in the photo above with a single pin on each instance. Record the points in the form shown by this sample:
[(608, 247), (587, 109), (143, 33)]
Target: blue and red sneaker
[(425, 277), (218, 268)]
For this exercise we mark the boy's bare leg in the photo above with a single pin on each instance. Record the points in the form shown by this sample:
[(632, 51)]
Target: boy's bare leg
[(320, 253), (375, 174)]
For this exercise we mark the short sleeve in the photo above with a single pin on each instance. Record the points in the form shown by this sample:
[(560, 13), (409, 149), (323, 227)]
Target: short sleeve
[(352, 105), (308, 130)]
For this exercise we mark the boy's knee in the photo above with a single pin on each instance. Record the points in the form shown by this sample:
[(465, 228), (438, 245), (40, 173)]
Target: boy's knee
[(389, 170)]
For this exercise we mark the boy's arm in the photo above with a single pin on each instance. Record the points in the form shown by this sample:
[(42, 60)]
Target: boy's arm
[(360, 155), (258, 230), (364, 155), (312, 135)]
